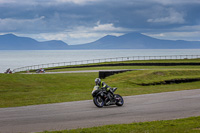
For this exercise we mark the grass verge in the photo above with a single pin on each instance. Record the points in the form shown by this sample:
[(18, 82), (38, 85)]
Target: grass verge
[(127, 67), (129, 82), (88, 66), (187, 125), (22, 90)]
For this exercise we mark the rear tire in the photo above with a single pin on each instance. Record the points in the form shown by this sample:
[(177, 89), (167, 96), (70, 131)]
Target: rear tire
[(98, 101), (119, 100)]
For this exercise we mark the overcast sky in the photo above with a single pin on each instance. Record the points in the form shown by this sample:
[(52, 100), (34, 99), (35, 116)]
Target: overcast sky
[(81, 21)]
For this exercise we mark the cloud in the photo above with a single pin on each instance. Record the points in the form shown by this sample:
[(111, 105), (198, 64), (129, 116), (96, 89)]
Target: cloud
[(19, 2), (172, 2), (76, 1), (76, 21), (71, 38), (189, 28), (107, 27), (10, 24), (172, 18), (7, 1), (82, 34), (179, 35), (47, 2)]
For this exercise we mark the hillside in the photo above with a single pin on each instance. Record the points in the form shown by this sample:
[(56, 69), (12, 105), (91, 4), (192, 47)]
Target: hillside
[(138, 41), (128, 41), (12, 42)]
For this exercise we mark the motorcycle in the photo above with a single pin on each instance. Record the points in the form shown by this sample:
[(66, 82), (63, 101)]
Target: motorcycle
[(102, 98), (8, 71), (40, 71)]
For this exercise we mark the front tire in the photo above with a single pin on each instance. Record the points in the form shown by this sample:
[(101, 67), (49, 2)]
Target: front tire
[(98, 101), (119, 100)]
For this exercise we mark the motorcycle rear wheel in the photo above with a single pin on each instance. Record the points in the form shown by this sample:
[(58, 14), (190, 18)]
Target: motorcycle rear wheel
[(98, 101)]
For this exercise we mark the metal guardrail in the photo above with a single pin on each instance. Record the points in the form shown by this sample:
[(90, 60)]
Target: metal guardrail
[(82, 62)]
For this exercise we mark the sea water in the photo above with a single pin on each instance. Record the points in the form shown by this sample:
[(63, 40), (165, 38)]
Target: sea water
[(20, 58)]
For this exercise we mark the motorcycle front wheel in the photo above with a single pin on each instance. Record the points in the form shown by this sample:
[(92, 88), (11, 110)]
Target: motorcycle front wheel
[(119, 100), (98, 101)]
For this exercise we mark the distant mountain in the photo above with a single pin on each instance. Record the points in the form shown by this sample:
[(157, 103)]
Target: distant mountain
[(128, 41), (12, 42), (138, 41)]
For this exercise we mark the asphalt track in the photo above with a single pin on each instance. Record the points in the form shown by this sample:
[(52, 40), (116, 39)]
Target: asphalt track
[(80, 114)]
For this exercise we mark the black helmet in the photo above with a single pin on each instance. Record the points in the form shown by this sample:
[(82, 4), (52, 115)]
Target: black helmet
[(98, 81)]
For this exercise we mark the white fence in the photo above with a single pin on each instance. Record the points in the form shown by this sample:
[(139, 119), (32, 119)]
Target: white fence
[(130, 58)]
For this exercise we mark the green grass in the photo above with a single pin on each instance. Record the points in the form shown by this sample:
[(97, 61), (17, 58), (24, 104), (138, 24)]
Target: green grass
[(128, 82), (187, 125), (61, 68), (150, 76), (22, 90), (125, 67)]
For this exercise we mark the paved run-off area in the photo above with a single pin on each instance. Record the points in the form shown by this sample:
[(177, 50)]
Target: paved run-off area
[(80, 114)]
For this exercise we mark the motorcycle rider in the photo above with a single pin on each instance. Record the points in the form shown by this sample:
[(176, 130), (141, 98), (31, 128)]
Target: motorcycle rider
[(103, 85), (8, 71), (42, 70)]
